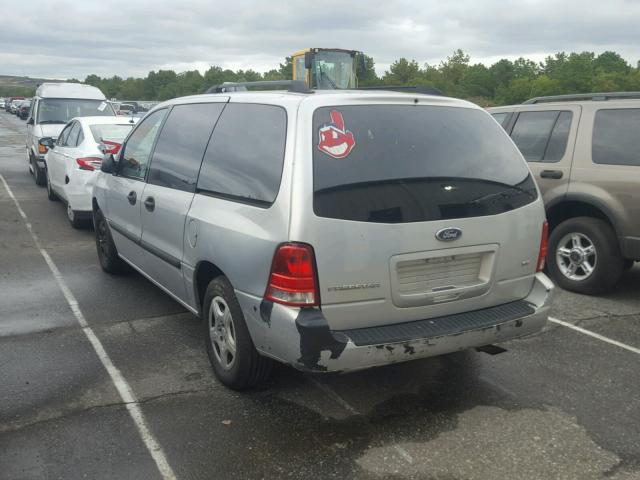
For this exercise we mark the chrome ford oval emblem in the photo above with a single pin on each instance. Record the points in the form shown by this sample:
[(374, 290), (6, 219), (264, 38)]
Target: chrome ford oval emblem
[(448, 234)]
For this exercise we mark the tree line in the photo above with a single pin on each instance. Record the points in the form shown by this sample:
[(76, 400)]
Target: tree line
[(504, 82)]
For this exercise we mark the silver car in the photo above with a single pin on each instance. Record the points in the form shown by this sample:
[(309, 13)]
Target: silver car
[(331, 231)]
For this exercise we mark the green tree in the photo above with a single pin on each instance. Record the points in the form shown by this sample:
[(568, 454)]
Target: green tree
[(401, 72)]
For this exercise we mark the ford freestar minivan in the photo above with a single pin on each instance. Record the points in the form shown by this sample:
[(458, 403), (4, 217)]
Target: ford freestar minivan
[(332, 231)]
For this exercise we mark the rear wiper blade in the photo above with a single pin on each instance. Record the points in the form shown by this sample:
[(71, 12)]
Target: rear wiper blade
[(510, 191)]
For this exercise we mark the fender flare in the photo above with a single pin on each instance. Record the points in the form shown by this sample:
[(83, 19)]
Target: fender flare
[(589, 200)]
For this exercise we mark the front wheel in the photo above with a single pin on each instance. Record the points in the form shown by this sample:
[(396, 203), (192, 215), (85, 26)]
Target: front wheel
[(39, 174), (584, 256), (51, 195), (234, 358)]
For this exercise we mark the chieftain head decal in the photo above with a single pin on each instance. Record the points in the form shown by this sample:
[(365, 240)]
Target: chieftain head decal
[(335, 140)]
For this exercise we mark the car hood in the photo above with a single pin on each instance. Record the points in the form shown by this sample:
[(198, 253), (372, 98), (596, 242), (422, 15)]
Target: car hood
[(50, 130)]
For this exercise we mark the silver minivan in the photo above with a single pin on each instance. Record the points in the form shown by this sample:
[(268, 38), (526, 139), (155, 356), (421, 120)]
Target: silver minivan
[(331, 231)]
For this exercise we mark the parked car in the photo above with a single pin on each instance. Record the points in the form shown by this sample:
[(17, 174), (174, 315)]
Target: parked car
[(8, 102), (23, 109), (585, 153), (13, 107), (73, 161), (330, 231), (53, 106)]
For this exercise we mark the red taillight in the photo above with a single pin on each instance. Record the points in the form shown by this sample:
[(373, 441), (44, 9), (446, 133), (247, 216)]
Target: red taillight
[(89, 163), (293, 279), (111, 147), (543, 247)]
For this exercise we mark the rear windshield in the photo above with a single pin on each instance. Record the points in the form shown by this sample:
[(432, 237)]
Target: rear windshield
[(394, 164), (113, 133), (61, 110)]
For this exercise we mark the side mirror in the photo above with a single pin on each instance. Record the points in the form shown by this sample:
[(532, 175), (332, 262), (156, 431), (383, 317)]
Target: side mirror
[(308, 60), (30, 121), (108, 164), (47, 142)]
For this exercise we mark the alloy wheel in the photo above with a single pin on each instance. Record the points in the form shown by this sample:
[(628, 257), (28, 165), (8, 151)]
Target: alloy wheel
[(222, 333), (576, 256)]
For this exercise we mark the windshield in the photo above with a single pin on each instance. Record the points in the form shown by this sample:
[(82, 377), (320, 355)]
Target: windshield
[(110, 132), (61, 110), (395, 164), (333, 70)]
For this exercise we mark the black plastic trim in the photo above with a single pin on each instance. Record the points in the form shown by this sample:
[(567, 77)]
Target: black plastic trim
[(438, 327), (161, 254), (630, 247)]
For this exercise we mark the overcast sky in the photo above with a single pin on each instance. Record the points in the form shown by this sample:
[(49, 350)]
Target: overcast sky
[(63, 39)]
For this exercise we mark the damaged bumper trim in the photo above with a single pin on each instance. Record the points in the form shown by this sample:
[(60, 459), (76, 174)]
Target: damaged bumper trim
[(437, 327)]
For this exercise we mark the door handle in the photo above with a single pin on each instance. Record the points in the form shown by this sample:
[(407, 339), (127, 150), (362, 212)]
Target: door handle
[(150, 204), (555, 174), (132, 197)]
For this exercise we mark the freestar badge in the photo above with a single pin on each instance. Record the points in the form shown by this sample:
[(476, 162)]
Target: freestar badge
[(335, 140)]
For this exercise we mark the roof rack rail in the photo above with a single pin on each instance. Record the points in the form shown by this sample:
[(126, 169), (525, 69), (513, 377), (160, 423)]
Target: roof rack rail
[(594, 97), (296, 86), (425, 89)]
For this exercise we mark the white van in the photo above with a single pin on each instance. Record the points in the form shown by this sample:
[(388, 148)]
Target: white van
[(51, 109)]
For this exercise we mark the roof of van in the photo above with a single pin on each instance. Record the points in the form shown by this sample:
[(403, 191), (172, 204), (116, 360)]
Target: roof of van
[(339, 95), (69, 90)]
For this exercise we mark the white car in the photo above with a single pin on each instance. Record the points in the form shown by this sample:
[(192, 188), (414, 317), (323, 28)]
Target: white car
[(74, 159)]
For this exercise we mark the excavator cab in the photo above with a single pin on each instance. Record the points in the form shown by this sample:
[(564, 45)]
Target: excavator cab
[(328, 68)]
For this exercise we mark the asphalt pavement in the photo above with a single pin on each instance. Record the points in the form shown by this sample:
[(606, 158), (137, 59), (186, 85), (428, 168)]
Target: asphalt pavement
[(562, 404)]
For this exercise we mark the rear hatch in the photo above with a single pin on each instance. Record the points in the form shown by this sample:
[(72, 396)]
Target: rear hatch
[(418, 211)]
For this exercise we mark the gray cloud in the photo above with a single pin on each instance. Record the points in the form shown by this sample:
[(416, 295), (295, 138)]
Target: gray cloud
[(128, 38)]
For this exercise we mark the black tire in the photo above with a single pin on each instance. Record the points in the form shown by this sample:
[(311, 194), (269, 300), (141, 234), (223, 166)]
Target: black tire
[(107, 252), (51, 195), (608, 260), (39, 174), (249, 368), (628, 264)]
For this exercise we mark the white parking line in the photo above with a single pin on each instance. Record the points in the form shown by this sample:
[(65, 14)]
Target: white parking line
[(123, 388), (347, 406), (595, 335)]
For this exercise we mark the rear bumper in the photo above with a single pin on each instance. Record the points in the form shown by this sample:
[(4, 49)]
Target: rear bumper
[(302, 338)]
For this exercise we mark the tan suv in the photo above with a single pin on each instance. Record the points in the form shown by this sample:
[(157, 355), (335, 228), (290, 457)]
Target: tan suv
[(584, 151)]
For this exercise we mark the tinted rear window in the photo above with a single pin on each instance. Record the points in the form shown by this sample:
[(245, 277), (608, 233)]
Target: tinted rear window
[(111, 132), (414, 163), (616, 137)]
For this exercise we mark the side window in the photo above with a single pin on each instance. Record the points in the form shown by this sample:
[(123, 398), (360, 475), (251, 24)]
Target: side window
[(136, 152), (32, 110), (245, 155), (178, 154), (300, 70), (72, 138), (616, 137), (559, 136), (80, 136), (62, 138), (535, 132), (500, 117)]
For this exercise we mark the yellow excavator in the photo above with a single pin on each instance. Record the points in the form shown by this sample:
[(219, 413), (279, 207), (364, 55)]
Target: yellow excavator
[(328, 68)]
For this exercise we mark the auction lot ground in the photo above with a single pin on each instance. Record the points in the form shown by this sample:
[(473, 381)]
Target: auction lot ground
[(561, 404)]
